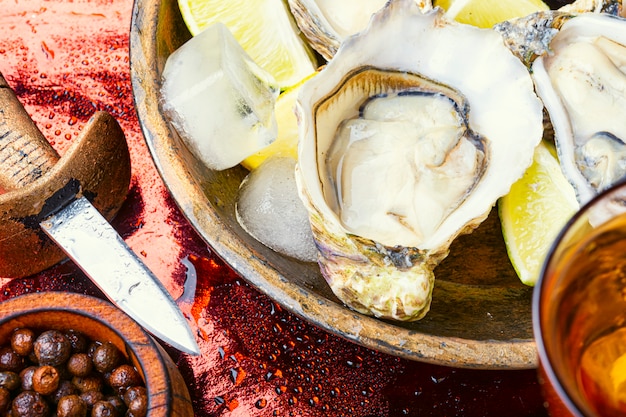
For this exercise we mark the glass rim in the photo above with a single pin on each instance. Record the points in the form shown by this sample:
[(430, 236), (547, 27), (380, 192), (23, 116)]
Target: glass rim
[(544, 356)]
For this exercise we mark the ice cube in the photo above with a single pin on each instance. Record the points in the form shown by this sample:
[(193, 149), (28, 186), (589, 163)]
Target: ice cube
[(219, 101), (270, 210)]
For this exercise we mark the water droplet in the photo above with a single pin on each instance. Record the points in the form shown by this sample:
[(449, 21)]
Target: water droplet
[(356, 362)]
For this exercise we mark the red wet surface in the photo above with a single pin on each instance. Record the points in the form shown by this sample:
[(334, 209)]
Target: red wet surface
[(69, 58)]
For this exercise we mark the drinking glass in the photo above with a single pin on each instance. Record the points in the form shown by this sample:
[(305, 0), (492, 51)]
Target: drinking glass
[(579, 312)]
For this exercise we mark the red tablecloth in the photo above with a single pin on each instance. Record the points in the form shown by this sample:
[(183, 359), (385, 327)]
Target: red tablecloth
[(68, 58)]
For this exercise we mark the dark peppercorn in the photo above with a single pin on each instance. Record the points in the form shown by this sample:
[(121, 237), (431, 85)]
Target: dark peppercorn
[(132, 393), (71, 406), (45, 380), (138, 407), (103, 409), (136, 399), (9, 360), (65, 389), (5, 399), (9, 380), (26, 378), (91, 398), (22, 341), (89, 383), (58, 376), (106, 357), (79, 364), (52, 348), (92, 348), (29, 404), (117, 402), (124, 376), (78, 341)]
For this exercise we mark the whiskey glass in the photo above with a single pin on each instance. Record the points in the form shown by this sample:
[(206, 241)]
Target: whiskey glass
[(579, 312)]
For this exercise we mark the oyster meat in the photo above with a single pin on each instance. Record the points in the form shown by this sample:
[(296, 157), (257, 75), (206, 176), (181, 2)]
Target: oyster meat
[(582, 82), (407, 139)]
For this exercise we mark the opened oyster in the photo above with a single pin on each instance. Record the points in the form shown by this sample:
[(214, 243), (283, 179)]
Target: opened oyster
[(582, 82), (326, 23), (407, 139)]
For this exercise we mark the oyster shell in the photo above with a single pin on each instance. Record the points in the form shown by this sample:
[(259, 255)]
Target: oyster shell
[(529, 36), (407, 139), (326, 23), (593, 6), (582, 83)]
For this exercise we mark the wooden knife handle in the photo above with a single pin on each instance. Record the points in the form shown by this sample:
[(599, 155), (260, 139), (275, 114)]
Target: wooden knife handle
[(25, 154)]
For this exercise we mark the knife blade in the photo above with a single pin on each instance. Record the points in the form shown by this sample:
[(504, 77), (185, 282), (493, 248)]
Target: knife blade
[(91, 242), (82, 232)]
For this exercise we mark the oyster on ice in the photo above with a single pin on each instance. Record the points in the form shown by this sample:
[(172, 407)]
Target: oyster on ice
[(581, 79), (407, 139)]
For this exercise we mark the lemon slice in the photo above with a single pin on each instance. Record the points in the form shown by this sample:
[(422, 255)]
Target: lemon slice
[(264, 28), (286, 143), (486, 13), (534, 211)]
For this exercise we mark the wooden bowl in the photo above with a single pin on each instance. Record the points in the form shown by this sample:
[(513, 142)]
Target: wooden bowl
[(481, 313), (100, 320)]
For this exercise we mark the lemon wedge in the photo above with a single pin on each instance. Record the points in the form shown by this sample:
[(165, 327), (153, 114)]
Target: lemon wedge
[(286, 143), (486, 13), (534, 211), (264, 28)]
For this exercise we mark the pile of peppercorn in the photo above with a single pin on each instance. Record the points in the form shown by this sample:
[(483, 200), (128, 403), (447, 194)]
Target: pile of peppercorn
[(65, 374)]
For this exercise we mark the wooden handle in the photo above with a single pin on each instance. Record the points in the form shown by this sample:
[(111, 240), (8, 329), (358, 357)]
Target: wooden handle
[(25, 154)]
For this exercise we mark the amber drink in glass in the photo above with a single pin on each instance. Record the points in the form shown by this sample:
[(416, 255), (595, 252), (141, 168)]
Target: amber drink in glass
[(579, 312)]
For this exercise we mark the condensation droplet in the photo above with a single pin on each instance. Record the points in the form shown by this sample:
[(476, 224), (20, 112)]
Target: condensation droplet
[(260, 404)]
